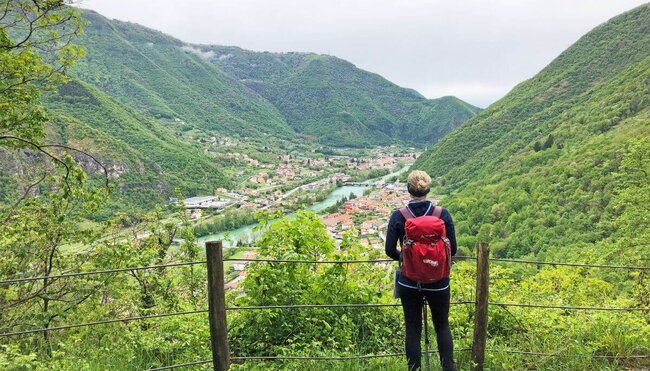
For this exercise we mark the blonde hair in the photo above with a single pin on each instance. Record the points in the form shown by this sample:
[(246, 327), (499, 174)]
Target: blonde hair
[(419, 183)]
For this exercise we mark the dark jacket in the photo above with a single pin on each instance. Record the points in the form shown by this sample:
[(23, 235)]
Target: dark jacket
[(395, 233)]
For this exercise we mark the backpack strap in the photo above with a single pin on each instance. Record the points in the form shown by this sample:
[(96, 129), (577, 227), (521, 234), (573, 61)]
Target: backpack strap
[(428, 209), (406, 212), (437, 211)]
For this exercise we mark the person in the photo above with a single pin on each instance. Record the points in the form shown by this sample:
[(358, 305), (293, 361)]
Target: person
[(413, 294)]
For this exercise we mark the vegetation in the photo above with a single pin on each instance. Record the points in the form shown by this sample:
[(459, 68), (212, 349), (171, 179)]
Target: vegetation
[(149, 162), (314, 332), (156, 127), (227, 221), (558, 170), (338, 103), (544, 170), (139, 68), (233, 91)]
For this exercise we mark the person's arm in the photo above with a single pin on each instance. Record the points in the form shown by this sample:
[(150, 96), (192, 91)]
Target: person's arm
[(392, 236), (451, 231)]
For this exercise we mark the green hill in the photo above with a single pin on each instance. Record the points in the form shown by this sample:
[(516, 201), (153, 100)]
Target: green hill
[(333, 100), (142, 101), (146, 159), (232, 91), (554, 168), (163, 78)]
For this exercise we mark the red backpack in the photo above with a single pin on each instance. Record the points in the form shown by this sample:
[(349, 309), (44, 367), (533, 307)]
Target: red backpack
[(426, 251)]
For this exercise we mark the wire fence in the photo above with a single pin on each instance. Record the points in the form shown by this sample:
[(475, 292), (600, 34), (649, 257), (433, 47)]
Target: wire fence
[(308, 306), (104, 271), (303, 358), (18, 280), (302, 261), (394, 355)]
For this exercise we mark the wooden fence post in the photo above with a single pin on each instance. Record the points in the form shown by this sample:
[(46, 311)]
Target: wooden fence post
[(217, 306), (481, 314)]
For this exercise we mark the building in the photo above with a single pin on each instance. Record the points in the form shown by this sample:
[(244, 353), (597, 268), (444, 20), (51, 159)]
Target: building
[(205, 202)]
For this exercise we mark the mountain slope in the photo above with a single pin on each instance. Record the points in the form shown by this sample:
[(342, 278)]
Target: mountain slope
[(233, 91), (332, 99), (551, 168), (147, 159), (534, 108), (167, 80)]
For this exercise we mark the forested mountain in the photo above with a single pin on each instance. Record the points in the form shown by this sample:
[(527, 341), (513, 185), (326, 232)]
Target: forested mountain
[(233, 91), (559, 167), (143, 159), (558, 171), (333, 100), (166, 79), (146, 160), (137, 91)]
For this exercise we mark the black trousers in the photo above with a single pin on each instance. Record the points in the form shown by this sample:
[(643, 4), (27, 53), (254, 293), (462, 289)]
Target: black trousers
[(412, 302)]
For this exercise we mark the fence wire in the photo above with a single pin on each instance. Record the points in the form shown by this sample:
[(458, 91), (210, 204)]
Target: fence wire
[(597, 356), (324, 306), (394, 355), (105, 271), (303, 261), (569, 307), (103, 322), (309, 306), (303, 358), (520, 261)]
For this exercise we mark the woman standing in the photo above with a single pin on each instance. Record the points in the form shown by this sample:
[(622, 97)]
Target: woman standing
[(412, 293)]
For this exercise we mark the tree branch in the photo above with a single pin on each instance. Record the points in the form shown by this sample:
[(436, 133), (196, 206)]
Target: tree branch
[(84, 153), (22, 198), (40, 149)]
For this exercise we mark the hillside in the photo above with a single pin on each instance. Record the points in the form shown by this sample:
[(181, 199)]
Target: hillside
[(232, 91), (145, 104), (558, 166), (555, 175), (160, 76), (331, 99), (144, 159)]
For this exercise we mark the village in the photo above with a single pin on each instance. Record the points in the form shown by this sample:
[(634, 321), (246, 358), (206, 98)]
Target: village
[(367, 214), (297, 180)]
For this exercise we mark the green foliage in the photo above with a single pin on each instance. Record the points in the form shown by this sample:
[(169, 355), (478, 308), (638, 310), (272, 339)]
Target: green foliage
[(332, 100), (227, 221), (569, 183), (558, 170), (149, 159), (139, 67), (583, 115), (27, 28), (325, 331)]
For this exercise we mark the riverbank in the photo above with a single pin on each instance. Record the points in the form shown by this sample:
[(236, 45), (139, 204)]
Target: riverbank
[(249, 233)]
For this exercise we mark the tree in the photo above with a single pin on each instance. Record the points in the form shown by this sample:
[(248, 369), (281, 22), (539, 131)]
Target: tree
[(549, 142), (35, 52), (37, 237), (302, 331)]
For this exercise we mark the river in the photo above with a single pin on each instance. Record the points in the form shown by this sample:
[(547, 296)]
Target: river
[(247, 234)]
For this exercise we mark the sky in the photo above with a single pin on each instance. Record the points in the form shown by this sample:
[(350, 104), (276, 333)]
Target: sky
[(477, 50)]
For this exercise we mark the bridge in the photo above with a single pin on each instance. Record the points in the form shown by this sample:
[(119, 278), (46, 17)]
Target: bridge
[(365, 184)]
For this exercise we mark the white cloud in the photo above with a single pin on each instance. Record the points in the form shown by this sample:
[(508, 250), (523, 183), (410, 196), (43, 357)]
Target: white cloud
[(205, 55)]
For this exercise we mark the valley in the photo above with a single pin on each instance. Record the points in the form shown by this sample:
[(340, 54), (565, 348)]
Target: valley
[(124, 149)]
